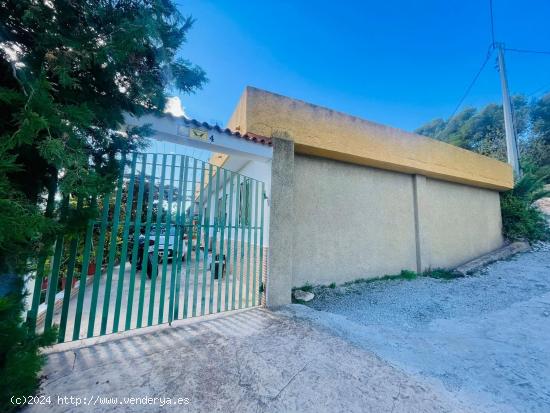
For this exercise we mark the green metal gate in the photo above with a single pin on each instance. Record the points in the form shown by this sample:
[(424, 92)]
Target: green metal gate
[(178, 238)]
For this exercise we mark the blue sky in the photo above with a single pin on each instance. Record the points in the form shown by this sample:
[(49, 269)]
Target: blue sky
[(400, 63)]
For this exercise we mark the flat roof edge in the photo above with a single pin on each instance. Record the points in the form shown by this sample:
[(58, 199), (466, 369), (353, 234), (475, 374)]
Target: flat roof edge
[(324, 132)]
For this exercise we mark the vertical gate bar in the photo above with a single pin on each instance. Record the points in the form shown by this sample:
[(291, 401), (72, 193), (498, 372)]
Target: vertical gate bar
[(176, 255), (167, 230), (206, 240), (73, 247), (254, 267), (243, 230), (190, 227), (184, 168), (249, 230), (40, 270), (155, 262), (124, 250), (236, 239), (214, 246), (229, 229), (37, 292), (56, 265), (84, 274), (261, 286), (41, 264), (135, 246), (145, 259), (221, 264), (112, 248), (197, 246), (98, 263)]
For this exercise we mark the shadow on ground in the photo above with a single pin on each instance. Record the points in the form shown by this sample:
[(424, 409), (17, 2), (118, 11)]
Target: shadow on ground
[(253, 360)]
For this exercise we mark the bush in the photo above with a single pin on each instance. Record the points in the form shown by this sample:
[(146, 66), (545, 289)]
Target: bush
[(20, 359), (520, 219)]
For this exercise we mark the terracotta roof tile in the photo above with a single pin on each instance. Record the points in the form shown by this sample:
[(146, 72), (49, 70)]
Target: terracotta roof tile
[(252, 137)]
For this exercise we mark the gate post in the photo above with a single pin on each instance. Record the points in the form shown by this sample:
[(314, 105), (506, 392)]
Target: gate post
[(281, 222)]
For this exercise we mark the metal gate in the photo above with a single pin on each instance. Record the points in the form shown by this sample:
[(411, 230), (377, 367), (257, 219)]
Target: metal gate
[(178, 238)]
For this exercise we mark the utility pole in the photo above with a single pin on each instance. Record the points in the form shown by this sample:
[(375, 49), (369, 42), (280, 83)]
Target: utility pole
[(511, 139)]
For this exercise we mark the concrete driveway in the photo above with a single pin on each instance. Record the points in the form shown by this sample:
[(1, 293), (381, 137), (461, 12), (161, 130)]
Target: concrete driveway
[(484, 338), (251, 361)]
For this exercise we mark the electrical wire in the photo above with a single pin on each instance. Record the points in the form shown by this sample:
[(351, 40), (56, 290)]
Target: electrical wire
[(474, 80), (539, 90), (492, 24), (543, 52), (527, 51)]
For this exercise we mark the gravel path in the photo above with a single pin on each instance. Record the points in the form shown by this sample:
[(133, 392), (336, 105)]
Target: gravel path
[(485, 338)]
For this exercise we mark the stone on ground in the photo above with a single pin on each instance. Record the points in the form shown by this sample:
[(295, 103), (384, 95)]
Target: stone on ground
[(302, 295)]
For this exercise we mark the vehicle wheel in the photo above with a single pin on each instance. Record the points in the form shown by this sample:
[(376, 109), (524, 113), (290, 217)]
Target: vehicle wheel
[(150, 266)]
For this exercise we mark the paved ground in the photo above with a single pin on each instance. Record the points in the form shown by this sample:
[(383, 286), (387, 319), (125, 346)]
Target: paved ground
[(142, 287), (252, 361), (485, 338)]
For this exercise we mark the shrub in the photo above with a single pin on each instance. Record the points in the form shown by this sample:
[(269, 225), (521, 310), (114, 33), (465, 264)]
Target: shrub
[(407, 275), (306, 287), (20, 359), (441, 273), (520, 219)]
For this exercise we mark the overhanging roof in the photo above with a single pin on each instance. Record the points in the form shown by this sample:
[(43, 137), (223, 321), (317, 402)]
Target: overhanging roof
[(201, 135)]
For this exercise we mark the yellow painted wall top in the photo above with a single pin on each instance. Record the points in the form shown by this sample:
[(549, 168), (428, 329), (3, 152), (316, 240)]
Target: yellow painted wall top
[(330, 134)]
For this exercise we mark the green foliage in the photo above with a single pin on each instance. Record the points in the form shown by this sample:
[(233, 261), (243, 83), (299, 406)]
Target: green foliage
[(403, 275), (482, 130), (69, 72), (306, 287), (20, 360), (441, 273), (538, 148), (520, 219), (407, 275)]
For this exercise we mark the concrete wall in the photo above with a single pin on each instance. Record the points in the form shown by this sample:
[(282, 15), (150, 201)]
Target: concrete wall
[(355, 222), (350, 222), (464, 222), (352, 198)]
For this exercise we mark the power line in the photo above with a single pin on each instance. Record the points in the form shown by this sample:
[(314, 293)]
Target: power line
[(492, 24), (542, 89), (474, 80), (508, 49)]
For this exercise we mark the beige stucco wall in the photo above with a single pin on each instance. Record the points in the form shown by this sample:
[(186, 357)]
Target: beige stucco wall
[(355, 199), (464, 222), (350, 222), (355, 222)]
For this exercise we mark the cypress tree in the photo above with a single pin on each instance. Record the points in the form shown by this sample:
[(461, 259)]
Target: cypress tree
[(69, 71)]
